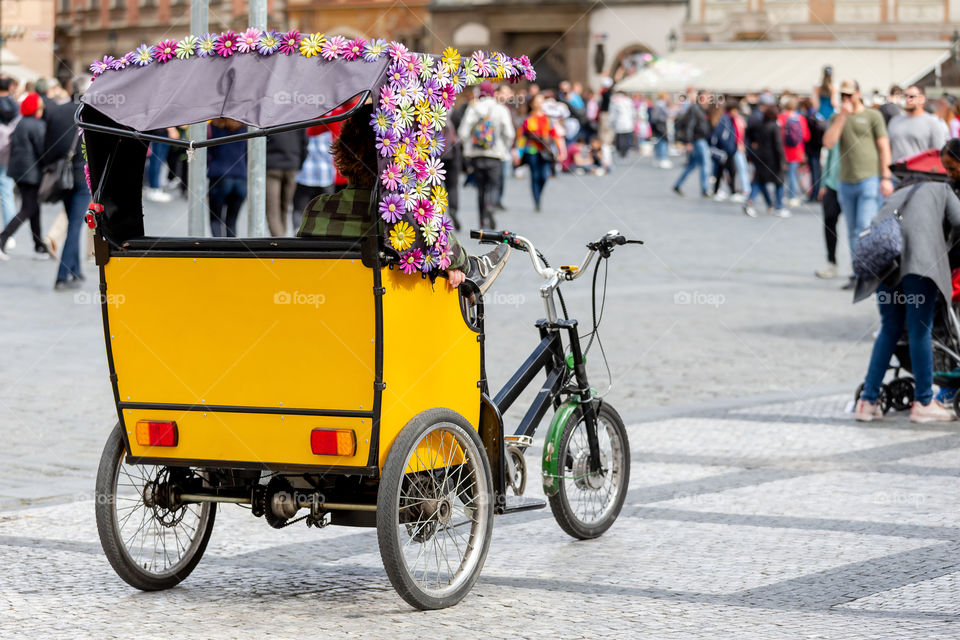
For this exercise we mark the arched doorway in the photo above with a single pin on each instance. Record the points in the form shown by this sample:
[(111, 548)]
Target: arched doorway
[(632, 58), (550, 65)]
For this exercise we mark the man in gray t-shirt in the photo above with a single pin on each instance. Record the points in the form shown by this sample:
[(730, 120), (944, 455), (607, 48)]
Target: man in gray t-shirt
[(915, 130)]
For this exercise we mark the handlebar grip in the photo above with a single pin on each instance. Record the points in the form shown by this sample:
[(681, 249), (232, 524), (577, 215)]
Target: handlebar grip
[(476, 234), (490, 237)]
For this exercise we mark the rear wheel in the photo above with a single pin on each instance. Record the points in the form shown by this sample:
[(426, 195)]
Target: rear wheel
[(588, 502), (434, 510), (152, 542)]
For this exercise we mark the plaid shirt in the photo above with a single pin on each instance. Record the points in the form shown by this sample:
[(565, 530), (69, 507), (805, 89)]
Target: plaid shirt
[(317, 169), (350, 214)]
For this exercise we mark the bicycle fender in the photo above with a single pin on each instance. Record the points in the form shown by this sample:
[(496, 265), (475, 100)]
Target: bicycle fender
[(551, 446)]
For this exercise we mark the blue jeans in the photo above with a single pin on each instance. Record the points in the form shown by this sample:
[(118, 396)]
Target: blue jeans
[(911, 304), (660, 148), (226, 196), (157, 161), (743, 171), (7, 205), (859, 202), (793, 181), (699, 157), (75, 202), (758, 188), (538, 174)]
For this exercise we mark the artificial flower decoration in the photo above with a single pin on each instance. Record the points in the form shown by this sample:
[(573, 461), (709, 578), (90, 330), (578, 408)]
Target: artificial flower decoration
[(397, 51), (446, 257), (445, 225), (374, 50), (450, 59), (482, 63), (421, 189), (423, 212), (164, 50), (99, 66), (391, 208), (387, 144), (334, 48), (227, 44), (439, 112), (457, 82), (429, 232), (415, 90), (438, 196), (436, 144), (388, 100), (435, 171), (411, 261), (143, 56), (268, 43), (426, 67), (402, 157), (122, 62), (312, 45), (407, 178), (290, 42), (413, 65), (247, 41), (430, 259), (447, 96), (186, 48), (409, 200), (354, 49), (390, 176), (403, 116), (431, 91), (397, 76), (402, 236), (469, 69), (380, 121), (442, 75), (207, 45)]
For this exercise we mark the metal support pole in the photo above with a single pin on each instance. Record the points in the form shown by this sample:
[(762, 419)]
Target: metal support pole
[(197, 212), (257, 152)]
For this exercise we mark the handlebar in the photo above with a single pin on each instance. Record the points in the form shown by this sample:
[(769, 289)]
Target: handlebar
[(604, 246)]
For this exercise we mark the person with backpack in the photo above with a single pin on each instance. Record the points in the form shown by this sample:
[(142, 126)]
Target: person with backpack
[(723, 142), (536, 141), (693, 130), (795, 135), (486, 133), (907, 296), (766, 153), (26, 151)]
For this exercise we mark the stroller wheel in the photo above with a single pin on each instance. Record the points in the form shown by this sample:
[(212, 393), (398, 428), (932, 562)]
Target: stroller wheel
[(900, 393), (856, 394)]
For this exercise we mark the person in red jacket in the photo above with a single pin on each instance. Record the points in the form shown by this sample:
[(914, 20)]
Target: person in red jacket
[(795, 134)]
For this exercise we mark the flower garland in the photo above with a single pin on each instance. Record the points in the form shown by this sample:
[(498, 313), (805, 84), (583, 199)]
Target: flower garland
[(410, 113)]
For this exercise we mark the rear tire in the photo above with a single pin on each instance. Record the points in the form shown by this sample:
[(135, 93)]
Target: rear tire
[(129, 528), (434, 527), (587, 504)]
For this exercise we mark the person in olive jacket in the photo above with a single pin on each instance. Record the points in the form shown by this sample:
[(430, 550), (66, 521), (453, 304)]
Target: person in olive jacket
[(26, 150)]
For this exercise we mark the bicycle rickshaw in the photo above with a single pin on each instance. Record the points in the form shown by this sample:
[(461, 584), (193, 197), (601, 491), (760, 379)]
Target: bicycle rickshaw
[(329, 381)]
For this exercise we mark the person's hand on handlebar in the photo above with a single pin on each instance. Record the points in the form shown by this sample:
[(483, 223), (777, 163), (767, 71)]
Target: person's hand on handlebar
[(455, 277)]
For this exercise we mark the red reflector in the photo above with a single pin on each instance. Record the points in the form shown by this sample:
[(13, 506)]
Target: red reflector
[(333, 442), (157, 433)]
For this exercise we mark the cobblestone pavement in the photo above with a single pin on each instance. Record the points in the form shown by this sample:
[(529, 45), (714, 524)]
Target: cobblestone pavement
[(757, 508)]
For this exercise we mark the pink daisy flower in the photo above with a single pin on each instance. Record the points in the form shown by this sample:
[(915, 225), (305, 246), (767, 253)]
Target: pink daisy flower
[(227, 44), (446, 257), (398, 51), (164, 50), (354, 49), (411, 261), (290, 42), (447, 96), (390, 176), (388, 101), (423, 211), (248, 40), (334, 47)]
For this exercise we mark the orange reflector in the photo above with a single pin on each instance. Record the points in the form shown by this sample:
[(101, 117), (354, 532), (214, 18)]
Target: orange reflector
[(333, 442), (157, 433)]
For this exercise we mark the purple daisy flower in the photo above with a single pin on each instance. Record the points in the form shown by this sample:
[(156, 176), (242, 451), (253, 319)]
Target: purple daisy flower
[(374, 49), (290, 42), (430, 260), (431, 91), (268, 43), (391, 208), (387, 144), (143, 55), (446, 224), (122, 62), (437, 144), (528, 71), (99, 66), (207, 45)]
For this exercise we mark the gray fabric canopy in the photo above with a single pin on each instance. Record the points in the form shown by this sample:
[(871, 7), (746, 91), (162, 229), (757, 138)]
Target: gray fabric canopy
[(260, 91)]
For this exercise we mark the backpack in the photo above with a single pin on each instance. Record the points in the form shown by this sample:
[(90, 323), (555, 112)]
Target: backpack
[(484, 134), (792, 132)]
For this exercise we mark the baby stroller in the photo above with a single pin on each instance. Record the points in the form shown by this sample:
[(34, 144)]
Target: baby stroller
[(897, 393)]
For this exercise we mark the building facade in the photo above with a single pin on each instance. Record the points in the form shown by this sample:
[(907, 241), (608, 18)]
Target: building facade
[(406, 22), (26, 31), (90, 29)]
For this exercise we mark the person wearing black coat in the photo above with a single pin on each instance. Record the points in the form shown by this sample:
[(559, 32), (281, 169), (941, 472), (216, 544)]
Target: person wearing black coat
[(62, 136), (285, 155), (766, 146), (26, 150)]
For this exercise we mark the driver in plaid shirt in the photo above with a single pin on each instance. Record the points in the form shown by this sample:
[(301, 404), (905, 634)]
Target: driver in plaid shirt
[(352, 212)]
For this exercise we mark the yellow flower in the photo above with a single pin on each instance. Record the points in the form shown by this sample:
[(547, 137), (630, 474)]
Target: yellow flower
[(422, 112), (402, 157), (422, 149), (401, 236), (311, 45), (439, 197), (450, 58)]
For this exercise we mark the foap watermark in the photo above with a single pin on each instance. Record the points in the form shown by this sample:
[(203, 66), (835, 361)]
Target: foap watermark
[(897, 498), (110, 299), (699, 298), (898, 297), (105, 99), (504, 299), (298, 98), (299, 297)]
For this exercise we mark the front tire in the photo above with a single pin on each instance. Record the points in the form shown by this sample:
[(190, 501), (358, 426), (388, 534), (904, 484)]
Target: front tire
[(435, 510), (152, 547), (587, 503)]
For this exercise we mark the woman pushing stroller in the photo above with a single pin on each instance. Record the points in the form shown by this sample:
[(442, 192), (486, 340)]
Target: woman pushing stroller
[(907, 296)]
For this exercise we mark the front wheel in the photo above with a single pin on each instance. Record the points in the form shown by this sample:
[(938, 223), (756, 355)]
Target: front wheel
[(152, 542), (588, 502), (434, 510)]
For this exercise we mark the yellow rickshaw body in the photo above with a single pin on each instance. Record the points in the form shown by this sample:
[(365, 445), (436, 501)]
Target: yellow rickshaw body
[(248, 355)]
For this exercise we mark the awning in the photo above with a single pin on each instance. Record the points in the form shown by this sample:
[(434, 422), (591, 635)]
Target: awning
[(10, 65), (748, 67)]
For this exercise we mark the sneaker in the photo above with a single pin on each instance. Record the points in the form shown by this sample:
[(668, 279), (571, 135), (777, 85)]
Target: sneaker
[(794, 202), (666, 164), (677, 191), (931, 412), (483, 270), (42, 255), (156, 195), (782, 213), (868, 411), (66, 285), (720, 196), (3, 256), (11, 245), (828, 272), (750, 210), (738, 198)]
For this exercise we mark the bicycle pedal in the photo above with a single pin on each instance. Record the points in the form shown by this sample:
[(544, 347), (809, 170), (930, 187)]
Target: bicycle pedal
[(521, 441)]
